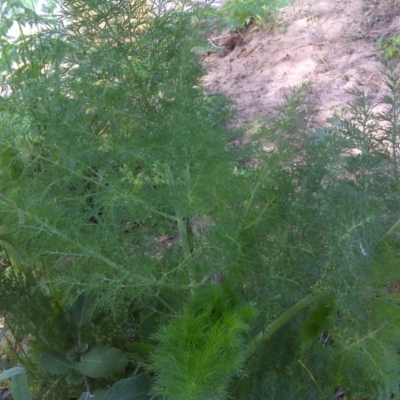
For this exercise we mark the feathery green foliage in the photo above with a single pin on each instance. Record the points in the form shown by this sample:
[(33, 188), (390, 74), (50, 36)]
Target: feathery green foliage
[(142, 251), (205, 344)]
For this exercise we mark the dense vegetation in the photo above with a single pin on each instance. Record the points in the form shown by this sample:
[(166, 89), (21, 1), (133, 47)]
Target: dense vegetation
[(146, 256)]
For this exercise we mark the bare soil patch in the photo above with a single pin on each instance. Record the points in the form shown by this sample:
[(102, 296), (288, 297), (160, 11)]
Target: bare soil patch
[(331, 44)]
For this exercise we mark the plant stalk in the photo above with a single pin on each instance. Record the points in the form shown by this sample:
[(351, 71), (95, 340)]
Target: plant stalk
[(275, 325)]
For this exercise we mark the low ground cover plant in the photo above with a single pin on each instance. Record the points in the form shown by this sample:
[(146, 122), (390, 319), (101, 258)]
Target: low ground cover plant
[(242, 13), (389, 46), (144, 255)]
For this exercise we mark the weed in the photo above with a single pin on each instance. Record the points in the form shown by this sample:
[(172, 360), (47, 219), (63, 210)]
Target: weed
[(241, 13), (389, 46)]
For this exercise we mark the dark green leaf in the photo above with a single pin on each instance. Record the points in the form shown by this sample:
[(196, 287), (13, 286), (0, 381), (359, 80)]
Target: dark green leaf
[(84, 308), (9, 373), (101, 362), (136, 388), (54, 362), (76, 351), (8, 240), (74, 378), (142, 349), (20, 387), (100, 394)]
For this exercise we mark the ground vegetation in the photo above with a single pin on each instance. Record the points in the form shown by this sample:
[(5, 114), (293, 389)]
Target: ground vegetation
[(149, 254)]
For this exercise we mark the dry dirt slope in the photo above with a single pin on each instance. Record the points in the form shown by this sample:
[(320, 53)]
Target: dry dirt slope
[(332, 44)]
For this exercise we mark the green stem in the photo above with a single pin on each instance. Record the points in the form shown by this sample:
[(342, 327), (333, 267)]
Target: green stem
[(393, 229), (275, 325), (181, 226), (249, 203), (253, 192)]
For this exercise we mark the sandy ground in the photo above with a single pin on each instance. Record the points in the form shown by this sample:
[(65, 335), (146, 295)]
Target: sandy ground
[(331, 44)]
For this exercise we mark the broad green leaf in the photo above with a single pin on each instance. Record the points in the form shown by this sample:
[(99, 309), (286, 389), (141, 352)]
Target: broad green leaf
[(20, 387), (101, 362), (136, 388), (84, 308), (54, 362), (74, 378), (9, 373)]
